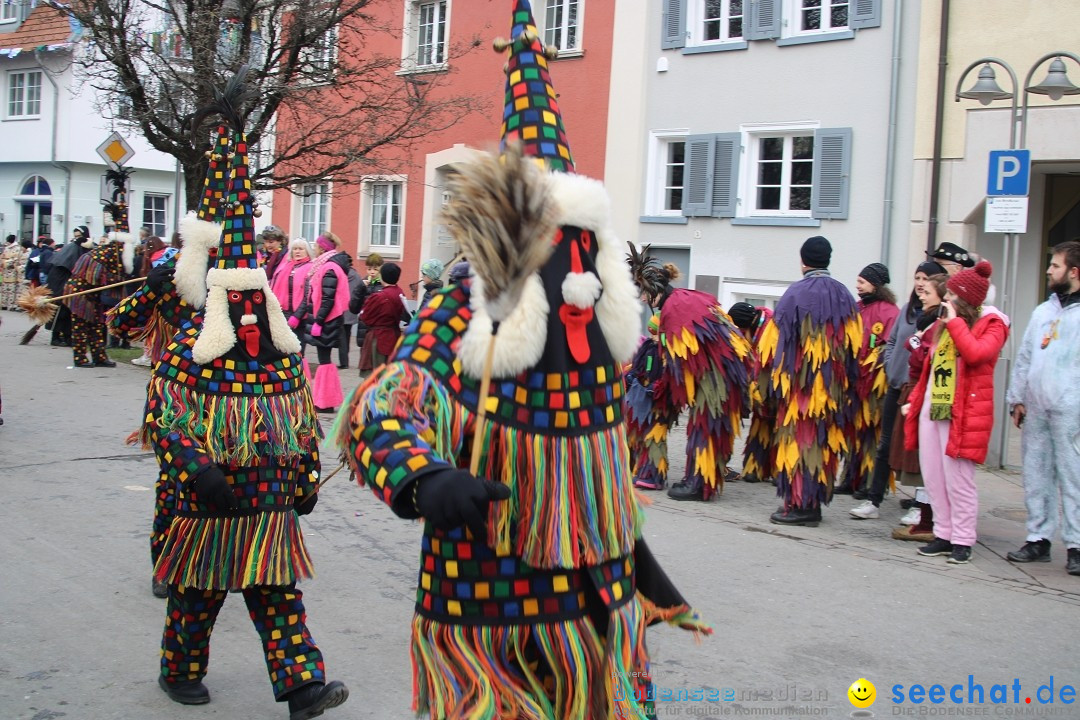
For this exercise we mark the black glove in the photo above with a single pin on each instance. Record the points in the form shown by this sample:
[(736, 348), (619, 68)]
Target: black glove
[(157, 277), (212, 488), (305, 507), (451, 498)]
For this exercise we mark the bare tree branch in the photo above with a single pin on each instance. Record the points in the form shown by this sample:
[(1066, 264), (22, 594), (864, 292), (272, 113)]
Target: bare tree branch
[(154, 63)]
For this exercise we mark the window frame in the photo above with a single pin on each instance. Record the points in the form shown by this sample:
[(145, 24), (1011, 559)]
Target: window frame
[(695, 23), (368, 213), (164, 224), (322, 56), (411, 37), (748, 185), (23, 101), (660, 142), (4, 10), (787, 162), (578, 49), (792, 17), (323, 208)]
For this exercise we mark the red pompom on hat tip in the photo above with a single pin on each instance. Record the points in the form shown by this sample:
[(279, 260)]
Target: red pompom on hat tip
[(984, 268)]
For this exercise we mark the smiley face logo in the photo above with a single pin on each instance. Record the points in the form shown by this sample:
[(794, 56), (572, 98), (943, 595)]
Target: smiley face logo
[(862, 693)]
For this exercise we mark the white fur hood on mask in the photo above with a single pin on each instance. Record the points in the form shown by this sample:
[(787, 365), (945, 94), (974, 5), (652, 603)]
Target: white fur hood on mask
[(580, 202)]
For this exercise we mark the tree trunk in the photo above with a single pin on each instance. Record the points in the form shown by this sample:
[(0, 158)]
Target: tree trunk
[(194, 181)]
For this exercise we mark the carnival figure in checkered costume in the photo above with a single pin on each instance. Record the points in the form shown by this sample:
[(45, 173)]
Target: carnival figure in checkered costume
[(230, 416), (172, 298), (535, 587)]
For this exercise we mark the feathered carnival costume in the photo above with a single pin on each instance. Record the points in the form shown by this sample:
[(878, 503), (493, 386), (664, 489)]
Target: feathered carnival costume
[(811, 345), (694, 358), (759, 452), (535, 587), (230, 417), (878, 316)]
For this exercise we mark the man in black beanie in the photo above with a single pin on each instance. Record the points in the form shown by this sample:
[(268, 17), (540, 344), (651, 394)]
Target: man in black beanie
[(814, 360)]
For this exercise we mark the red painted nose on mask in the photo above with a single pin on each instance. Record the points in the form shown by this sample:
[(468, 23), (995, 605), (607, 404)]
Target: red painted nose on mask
[(576, 319)]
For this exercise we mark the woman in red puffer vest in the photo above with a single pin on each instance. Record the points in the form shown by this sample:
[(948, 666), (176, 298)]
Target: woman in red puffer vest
[(950, 413)]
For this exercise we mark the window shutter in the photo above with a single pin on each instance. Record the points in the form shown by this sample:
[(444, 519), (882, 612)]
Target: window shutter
[(865, 14), (674, 25), (832, 170), (725, 185), (764, 20), (697, 197)]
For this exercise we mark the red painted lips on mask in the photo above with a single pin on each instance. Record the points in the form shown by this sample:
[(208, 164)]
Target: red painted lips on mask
[(250, 335)]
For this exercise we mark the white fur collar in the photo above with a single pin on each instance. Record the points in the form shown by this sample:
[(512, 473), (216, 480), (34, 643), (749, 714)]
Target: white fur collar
[(190, 276), (582, 202), (218, 335)]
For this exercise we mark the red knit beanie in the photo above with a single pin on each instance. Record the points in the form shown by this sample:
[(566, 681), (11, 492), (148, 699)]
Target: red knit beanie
[(972, 284)]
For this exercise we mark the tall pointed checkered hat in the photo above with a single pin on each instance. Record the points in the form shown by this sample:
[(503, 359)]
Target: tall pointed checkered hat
[(531, 113)]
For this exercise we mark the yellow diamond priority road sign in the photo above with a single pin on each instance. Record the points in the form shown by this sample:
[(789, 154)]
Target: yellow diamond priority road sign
[(115, 150)]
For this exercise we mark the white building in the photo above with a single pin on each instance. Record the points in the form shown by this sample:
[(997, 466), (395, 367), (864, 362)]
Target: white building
[(50, 127), (738, 129)]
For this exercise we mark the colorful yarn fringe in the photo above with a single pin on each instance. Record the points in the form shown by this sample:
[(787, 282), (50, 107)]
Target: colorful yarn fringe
[(559, 670), (235, 429), (224, 553), (812, 346), (585, 513)]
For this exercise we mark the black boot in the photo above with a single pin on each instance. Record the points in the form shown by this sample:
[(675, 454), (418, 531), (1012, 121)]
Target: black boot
[(1037, 551), (188, 692), (808, 517), (686, 491), (312, 699)]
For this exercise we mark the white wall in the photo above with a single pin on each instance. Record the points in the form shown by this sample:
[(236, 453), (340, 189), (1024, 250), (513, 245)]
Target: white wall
[(841, 83)]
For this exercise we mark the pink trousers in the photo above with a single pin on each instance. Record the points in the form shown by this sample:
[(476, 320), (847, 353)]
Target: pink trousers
[(949, 481)]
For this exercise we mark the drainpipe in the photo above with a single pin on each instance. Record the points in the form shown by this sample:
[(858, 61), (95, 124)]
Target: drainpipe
[(52, 152), (939, 123), (890, 153)]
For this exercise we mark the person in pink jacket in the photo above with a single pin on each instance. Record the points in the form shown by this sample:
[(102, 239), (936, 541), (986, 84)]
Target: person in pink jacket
[(951, 410), (326, 297), (287, 284)]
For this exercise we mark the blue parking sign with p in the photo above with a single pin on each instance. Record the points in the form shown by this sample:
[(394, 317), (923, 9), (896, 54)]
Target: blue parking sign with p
[(1009, 174)]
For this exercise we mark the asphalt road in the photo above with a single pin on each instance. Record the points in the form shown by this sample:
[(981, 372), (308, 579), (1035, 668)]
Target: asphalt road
[(799, 613)]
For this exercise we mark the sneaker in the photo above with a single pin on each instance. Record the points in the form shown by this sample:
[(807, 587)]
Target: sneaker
[(143, 361), (961, 555), (1037, 551), (866, 511), (1072, 566), (912, 517), (937, 547)]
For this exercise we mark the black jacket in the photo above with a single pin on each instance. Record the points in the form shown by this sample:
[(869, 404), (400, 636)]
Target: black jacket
[(328, 290)]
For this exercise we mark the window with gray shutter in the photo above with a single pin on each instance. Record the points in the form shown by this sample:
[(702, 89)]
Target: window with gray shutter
[(697, 198), (865, 14), (832, 170), (673, 25), (725, 185), (764, 20)]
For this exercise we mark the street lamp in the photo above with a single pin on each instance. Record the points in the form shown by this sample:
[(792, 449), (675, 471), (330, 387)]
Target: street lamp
[(986, 90)]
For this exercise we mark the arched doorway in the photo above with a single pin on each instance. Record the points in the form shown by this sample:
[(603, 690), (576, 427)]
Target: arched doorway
[(35, 208)]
